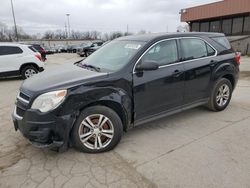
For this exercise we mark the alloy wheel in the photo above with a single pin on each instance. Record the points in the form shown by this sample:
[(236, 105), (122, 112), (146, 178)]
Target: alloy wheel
[(96, 131), (223, 94)]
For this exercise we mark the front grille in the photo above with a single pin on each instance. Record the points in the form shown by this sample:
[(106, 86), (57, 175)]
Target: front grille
[(20, 112)]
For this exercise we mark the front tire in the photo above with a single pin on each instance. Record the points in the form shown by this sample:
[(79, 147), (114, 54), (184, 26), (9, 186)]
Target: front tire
[(28, 71), (97, 129), (221, 95)]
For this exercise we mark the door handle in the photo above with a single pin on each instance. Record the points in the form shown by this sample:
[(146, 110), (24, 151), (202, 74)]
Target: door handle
[(176, 73)]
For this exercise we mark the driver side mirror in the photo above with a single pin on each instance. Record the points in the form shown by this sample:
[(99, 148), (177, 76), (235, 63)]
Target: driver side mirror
[(147, 66)]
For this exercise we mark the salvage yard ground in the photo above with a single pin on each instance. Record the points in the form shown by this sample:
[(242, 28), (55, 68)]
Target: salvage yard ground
[(196, 148)]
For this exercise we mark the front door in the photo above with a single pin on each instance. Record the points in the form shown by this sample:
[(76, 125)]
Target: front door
[(160, 90)]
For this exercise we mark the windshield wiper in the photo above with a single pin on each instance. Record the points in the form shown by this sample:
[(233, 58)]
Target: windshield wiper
[(97, 69)]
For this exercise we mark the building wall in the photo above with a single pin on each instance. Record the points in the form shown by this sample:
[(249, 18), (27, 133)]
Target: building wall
[(230, 25), (242, 45), (217, 9)]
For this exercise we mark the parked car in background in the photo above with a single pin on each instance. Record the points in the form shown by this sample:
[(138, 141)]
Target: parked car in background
[(84, 50), (89, 51), (19, 60), (49, 50), (72, 48), (128, 82), (40, 50)]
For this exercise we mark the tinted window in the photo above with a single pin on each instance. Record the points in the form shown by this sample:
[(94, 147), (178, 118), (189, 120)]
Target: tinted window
[(247, 25), (227, 26), (204, 27), (210, 50), (37, 47), (162, 53), (195, 26), (10, 50), (33, 48), (237, 25), (194, 48), (215, 26), (223, 42)]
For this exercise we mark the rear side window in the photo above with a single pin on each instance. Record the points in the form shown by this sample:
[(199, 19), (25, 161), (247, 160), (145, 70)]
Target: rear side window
[(195, 48), (223, 42), (10, 50)]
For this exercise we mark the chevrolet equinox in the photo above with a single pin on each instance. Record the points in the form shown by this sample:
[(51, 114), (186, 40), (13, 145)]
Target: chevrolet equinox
[(130, 81)]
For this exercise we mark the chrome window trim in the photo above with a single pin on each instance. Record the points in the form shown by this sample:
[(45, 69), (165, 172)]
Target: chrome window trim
[(180, 62)]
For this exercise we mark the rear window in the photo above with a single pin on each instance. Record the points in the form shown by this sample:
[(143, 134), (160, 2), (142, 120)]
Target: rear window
[(10, 50), (223, 42), (37, 47), (32, 48)]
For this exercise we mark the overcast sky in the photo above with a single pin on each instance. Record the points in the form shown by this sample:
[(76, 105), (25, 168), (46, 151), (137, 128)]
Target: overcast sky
[(37, 16)]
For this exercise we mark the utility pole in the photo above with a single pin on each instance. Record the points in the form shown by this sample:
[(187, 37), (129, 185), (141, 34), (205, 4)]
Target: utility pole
[(13, 13), (127, 30), (66, 32), (68, 25)]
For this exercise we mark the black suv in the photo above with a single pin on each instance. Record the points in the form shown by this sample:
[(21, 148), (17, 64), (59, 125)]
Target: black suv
[(130, 81)]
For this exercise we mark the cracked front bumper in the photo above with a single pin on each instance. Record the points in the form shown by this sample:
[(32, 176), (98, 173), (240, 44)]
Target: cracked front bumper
[(43, 129)]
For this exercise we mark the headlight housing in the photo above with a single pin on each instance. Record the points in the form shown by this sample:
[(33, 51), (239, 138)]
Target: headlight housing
[(49, 101)]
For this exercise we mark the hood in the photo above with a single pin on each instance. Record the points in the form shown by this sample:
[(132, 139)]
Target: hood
[(61, 77)]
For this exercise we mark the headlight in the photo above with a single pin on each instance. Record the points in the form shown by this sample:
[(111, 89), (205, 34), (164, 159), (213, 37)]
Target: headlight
[(49, 101)]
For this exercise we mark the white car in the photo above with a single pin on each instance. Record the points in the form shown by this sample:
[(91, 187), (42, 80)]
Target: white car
[(19, 59)]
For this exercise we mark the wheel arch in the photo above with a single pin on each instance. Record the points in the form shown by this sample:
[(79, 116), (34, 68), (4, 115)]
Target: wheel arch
[(231, 78), (28, 64), (226, 70), (117, 107)]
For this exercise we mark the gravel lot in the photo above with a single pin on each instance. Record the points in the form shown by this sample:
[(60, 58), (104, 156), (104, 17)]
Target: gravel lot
[(196, 148)]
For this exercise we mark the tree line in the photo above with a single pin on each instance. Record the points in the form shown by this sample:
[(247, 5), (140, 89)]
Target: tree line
[(7, 34)]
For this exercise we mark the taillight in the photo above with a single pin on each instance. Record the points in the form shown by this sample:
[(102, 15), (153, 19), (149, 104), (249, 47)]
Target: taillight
[(39, 57), (237, 57)]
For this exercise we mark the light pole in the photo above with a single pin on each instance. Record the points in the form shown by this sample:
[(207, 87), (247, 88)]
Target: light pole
[(68, 25), (13, 13)]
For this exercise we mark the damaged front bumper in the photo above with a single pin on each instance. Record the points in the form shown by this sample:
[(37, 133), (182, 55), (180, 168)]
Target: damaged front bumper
[(43, 130)]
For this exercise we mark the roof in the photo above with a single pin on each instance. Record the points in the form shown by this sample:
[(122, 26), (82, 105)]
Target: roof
[(217, 9), (153, 36)]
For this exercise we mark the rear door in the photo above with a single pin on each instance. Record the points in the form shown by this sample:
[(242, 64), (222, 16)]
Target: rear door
[(10, 58), (198, 59)]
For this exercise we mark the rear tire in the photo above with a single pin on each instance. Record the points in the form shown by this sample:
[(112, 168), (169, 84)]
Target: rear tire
[(28, 71), (221, 95), (103, 132)]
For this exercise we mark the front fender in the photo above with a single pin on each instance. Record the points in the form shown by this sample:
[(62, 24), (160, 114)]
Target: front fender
[(81, 97)]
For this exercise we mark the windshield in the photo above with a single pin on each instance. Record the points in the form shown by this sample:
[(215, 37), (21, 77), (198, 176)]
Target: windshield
[(113, 56)]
